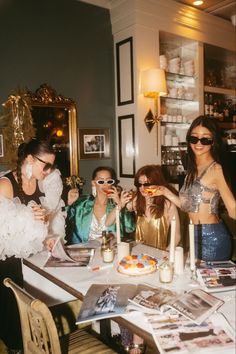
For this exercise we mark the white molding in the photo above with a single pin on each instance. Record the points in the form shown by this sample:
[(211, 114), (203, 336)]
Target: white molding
[(168, 15)]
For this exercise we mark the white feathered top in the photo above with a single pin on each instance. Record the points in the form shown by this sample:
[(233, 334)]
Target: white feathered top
[(20, 234)]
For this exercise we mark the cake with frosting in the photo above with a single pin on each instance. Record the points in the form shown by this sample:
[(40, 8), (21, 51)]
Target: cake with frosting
[(137, 264)]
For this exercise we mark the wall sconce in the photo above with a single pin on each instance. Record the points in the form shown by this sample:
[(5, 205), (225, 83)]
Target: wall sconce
[(153, 85)]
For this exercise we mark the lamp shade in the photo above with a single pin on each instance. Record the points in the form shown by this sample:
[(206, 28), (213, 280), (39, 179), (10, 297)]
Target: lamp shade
[(153, 82)]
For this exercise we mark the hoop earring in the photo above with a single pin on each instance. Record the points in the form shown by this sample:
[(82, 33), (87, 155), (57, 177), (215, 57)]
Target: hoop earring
[(94, 191), (28, 170)]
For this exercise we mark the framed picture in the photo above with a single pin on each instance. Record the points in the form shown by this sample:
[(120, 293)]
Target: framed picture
[(94, 143), (124, 69), (1, 146), (126, 145)]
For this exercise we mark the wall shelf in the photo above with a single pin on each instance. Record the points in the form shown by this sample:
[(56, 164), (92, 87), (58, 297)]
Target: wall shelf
[(220, 90)]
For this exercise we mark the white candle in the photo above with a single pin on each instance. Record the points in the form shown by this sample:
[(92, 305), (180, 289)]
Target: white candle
[(123, 250), (179, 260), (191, 246), (172, 240), (117, 224)]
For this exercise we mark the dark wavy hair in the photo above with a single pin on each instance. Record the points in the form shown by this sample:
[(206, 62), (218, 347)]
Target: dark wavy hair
[(108, 169), (33, 147), (155, 176), (217, 148)]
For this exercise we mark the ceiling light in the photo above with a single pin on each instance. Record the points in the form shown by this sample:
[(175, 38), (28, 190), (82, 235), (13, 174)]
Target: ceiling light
[(198, 2)]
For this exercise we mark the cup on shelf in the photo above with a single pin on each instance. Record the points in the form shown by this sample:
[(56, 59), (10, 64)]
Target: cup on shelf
[(175, 141), (168, 140), (173, 92)]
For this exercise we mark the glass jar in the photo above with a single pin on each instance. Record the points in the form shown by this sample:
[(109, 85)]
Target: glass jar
[(166, 272)]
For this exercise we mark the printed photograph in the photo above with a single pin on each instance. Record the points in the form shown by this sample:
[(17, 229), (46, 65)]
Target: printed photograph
[(94, 144)]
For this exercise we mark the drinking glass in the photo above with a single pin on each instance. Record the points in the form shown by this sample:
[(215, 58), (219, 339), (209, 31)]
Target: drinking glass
[(150, 190)]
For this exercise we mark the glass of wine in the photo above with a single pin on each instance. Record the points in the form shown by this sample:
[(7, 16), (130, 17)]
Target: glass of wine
[(150, 190)]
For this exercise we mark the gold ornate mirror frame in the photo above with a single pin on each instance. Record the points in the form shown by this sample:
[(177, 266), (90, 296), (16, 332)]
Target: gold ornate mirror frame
[(54, 117)]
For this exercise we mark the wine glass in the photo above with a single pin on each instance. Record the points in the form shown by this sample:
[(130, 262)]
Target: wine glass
[(149, 192)]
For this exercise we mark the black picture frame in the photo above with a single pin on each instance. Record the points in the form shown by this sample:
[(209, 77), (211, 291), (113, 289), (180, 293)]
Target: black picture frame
[(94, 143), (126, 133), (124, 63)]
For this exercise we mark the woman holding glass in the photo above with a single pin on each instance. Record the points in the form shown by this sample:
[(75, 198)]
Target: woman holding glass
[(204, 186), (153, 213), (92, 214), (23, 227)]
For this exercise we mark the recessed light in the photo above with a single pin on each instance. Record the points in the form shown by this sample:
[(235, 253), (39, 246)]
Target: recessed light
[(198, 2)]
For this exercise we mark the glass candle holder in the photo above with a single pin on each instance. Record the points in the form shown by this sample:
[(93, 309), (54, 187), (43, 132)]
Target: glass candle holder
[(108, 255), (166, 272)]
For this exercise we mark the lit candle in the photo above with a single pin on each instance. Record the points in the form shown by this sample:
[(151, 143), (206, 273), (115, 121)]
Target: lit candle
[(172, 240), (191, 246), (108, 255), (117, 224), (166, 272)]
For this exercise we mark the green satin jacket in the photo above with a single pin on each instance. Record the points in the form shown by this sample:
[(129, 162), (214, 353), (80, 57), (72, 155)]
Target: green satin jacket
[(79, 218)]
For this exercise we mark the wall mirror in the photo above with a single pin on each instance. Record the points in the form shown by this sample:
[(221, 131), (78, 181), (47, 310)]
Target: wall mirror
[(54, 118)]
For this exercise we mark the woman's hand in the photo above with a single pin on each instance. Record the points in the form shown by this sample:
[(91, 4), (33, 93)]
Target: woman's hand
[(125, 198), (49, 243), (39, 212), (73, 195), (122, 199)]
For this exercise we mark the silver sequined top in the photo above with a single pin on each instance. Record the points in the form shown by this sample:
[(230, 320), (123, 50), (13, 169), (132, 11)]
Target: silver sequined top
[(192, 196)]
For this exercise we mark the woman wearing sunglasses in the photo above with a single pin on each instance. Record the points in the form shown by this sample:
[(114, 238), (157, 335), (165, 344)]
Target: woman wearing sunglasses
[(92, 214), (23, 227), (153, 213), (205, 184)]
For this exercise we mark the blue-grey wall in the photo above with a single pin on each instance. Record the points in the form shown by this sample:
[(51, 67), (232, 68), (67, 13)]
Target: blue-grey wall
[(68, 45)]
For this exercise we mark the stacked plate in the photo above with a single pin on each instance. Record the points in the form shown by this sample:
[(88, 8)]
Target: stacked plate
[(189, 67), (174, 65)]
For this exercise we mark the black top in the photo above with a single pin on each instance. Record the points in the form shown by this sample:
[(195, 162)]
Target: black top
[(16, 191)]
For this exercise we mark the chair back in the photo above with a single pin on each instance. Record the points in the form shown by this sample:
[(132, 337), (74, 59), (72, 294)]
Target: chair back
[(39, 331)]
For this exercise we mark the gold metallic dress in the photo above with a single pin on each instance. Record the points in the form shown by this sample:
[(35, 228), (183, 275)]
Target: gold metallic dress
[(153, 232)]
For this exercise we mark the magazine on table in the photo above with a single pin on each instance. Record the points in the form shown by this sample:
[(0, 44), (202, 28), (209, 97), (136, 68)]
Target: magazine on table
[(196, 304), (69, 256), (175, 334), (217, 276), (105, 301), (110, 300)]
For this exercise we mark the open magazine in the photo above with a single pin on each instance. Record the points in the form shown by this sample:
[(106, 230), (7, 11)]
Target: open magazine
[(105, 301), (62, 256), (217, 276), (196, 305), (110, 300), (175, 334)]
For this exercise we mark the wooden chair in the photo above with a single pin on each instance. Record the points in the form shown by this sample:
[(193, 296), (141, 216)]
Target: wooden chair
[(39, 331)]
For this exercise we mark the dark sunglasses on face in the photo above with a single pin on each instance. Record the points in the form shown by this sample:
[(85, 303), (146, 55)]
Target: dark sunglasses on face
[(146, 184), (204, 141), (48, 165), (102, 181)]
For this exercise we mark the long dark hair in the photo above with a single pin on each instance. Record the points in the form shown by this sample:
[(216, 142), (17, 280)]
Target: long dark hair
[(33, 147), (217, 148), (155, 176)]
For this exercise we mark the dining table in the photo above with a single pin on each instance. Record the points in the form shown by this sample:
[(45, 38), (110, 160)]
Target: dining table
[(56, 285)]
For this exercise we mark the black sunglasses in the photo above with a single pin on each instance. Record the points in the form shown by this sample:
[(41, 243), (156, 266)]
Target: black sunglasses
[(204, 141), (102, 181), (146, 184), (48, 165)]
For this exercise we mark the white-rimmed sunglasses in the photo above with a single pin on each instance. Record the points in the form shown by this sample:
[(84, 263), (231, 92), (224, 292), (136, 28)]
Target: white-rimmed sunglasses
[(102, 181)]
